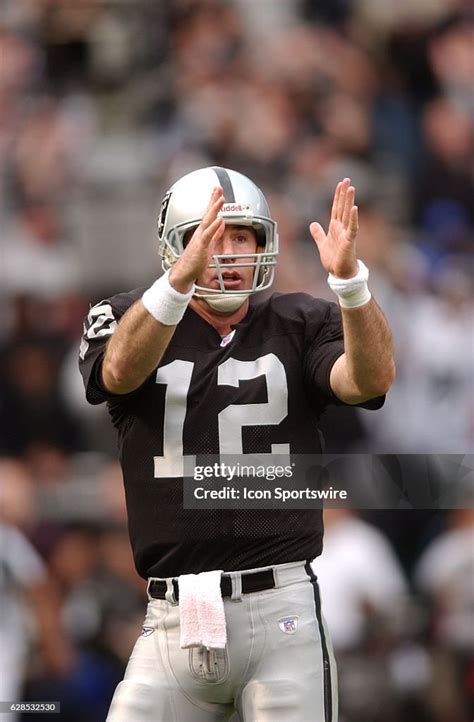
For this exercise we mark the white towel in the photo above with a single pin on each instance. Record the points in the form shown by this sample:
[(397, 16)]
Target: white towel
[(201, 609), (210, 607), (188, 613)]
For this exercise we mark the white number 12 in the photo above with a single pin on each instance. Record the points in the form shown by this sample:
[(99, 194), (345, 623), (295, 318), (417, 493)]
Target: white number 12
[(177, 377)]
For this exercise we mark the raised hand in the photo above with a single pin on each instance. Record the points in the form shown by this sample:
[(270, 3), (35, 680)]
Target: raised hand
[(337, 248), (197, 254)]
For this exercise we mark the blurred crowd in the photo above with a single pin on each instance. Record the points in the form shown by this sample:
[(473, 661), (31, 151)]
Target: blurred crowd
[(102, 106)]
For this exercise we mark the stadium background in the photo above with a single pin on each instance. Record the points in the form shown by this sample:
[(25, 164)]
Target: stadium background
[(104, 104)]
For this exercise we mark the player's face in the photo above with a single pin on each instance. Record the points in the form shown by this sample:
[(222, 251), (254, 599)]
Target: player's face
[(236, 240)]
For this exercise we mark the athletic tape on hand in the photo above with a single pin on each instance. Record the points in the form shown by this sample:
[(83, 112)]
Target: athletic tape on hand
[(165, 303), (352, 292)]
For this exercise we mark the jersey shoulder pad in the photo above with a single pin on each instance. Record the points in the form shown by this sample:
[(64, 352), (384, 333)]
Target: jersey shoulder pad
[(298, 307), (121, 302)]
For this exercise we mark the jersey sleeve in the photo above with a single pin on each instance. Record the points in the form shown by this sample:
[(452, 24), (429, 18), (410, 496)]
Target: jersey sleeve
[(325, 343), (99, 324)]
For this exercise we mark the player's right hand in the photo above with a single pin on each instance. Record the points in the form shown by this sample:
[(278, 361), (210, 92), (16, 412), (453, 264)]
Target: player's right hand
[(198, 252)]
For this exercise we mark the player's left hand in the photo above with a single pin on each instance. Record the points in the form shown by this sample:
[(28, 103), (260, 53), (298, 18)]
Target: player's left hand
[(337, 248)]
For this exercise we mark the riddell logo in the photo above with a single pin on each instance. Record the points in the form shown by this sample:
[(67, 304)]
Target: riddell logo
[(233, 207)]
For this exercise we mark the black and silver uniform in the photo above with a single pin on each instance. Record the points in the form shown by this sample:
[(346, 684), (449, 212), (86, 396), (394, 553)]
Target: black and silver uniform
[(262, 392)]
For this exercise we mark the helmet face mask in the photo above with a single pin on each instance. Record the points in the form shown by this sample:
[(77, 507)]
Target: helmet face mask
[(182, 210)]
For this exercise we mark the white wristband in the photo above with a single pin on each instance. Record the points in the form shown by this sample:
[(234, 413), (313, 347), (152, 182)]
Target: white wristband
[(165, 303), (352, 292)]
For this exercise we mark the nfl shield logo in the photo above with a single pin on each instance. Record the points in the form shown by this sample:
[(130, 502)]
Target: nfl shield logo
[(288, 625)]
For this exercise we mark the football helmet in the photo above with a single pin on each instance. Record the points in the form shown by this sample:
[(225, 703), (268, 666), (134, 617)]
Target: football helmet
[(182, 209)]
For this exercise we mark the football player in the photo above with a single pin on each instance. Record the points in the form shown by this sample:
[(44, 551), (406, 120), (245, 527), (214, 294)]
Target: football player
[(193, 366)]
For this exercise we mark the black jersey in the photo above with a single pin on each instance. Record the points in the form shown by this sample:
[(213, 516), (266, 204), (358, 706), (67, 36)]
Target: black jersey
[(261, 391)]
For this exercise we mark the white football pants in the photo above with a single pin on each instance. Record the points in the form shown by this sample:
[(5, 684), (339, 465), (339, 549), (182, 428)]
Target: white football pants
[(278, 665)]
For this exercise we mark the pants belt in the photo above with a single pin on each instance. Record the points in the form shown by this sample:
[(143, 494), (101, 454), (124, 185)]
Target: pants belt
[(253, 582)]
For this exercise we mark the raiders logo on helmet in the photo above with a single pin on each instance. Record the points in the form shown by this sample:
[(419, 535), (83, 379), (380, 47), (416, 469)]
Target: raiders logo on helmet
[(162, 215)]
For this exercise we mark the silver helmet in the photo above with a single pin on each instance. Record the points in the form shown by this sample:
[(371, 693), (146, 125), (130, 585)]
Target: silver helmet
[(182, 209)]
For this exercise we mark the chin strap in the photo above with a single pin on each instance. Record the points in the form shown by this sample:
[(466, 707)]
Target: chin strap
[(225, 303)]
